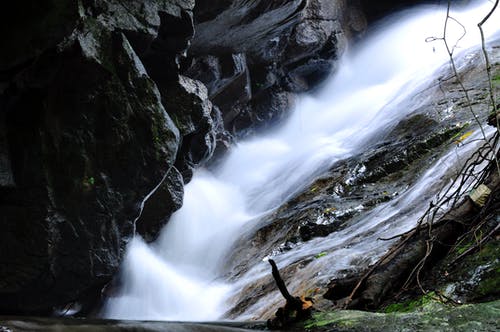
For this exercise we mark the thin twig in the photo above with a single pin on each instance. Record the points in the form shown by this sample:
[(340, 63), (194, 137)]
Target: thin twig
[(488, 70)]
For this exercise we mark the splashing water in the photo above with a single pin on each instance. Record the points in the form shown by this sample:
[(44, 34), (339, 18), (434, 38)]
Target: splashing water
[(179, 276)]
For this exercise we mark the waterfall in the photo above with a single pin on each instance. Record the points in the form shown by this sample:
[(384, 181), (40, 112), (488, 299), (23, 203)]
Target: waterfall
[(179, 277)]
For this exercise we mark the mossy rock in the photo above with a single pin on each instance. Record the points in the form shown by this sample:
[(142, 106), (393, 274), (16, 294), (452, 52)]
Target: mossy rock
[(432, 316), (410, 305), (475, 277)]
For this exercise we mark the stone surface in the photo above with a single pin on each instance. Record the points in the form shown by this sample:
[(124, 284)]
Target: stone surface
[(275, 50), (191, 110), (469, 273), (430, 317)]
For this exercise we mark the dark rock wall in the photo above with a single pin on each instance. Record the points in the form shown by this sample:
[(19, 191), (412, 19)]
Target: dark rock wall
[(88, 128)]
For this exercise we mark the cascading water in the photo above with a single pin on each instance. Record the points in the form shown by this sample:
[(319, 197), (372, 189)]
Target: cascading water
[(179, 277)]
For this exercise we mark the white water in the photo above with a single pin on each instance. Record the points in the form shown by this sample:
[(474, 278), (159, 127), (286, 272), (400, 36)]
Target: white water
[(178, 277)]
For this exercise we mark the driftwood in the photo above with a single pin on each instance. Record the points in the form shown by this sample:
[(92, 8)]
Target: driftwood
[(416, 249), (295, 309)]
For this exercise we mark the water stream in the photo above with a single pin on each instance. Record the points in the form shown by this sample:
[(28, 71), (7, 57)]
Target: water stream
[(179, 276)]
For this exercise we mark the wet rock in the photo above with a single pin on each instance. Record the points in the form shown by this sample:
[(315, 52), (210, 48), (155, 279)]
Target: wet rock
[(6, 175), (288, 47), (267, 108), (227, 80), (97, 114), (158, 208), (98, 325), (187, 102), (206, 11), (352, 187), (223, 139), (312, 230), (163, 55), (469, 273)]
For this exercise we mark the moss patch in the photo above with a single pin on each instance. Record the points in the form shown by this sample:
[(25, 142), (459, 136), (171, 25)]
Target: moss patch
[(411, 305), (433, 316), (496, 79), (475, 277)]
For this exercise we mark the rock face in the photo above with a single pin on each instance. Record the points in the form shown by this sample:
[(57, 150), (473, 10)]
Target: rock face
[(255, 56), (88, 128)]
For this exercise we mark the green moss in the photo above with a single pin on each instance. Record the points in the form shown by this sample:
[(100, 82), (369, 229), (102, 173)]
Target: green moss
[(496, 79), (88, 183), (321, 254), (411, 305), (490, 285), (341, 318), (460, 249), (433, 316), (454, 133), (474, 277)]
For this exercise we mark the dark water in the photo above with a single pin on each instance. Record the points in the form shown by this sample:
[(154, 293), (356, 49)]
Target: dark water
[(14, 324)]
